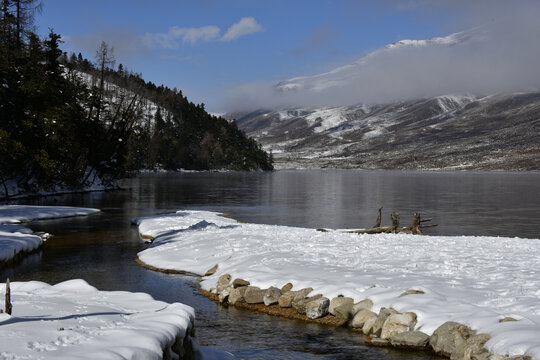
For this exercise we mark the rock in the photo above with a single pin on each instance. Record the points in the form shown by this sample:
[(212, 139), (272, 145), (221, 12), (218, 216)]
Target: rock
[(368, 325), (365, 304), (507, 319), (317, 308), (338, 301), (271, 296), (448, 336), (473, 348), (224, 294), (410, 339), (285, 300), (237, 295), (302, 293), (361, 317), (384, 313), (223, 282), (412, 292), (286, 288), (344, 311), (300, 305), (254, 295), (211, 271), (398, 323), (376, 341), (240, 282)]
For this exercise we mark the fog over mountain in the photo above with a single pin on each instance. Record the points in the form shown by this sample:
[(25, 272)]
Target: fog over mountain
[(499, 55)]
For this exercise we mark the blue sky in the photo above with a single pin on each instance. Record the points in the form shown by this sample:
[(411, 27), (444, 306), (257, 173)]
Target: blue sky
[(208, 47)]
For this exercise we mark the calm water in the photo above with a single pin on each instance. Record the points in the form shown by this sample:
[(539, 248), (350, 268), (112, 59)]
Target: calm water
[(101, 248)]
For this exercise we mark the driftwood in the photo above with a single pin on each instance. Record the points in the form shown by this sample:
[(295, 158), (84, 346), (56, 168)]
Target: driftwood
[(415, 227)]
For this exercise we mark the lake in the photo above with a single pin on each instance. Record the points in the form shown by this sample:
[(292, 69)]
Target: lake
[(101, 249)]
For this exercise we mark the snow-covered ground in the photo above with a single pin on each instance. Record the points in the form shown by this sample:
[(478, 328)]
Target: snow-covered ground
[(73, 320), (476, 281), (17, 238), (14, 214)]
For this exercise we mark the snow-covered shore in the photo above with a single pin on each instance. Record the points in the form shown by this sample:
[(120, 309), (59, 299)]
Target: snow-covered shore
[(73, 320), (476, 281), (15, 239)]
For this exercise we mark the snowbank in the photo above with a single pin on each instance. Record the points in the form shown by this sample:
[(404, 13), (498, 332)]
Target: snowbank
[(476, 281), (73, 320), (14, 214), (15, 239)]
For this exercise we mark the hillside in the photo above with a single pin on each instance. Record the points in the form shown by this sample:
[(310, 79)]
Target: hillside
[(69, 124), (500, 132)]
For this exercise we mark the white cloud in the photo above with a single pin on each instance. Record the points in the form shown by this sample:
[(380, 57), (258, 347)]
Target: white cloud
[(170, 40), (245, 26), (187, 35), (193, 35)]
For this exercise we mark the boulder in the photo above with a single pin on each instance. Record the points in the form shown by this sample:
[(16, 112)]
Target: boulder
[(302, 293), (473, 348), (237, 295), (344, 311), (254, 295), (285, 300), (317, 308), (224, 294), (448, 336), (300, 305), (362, 317), (398, 323), (286, 288), (339, 301), (410, 339), (368, 325), (223, 282), (384, 313), (271, 296), (365, 304), (240, 282)]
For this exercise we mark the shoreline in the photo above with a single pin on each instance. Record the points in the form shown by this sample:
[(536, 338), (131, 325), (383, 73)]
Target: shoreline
[(469, 347), (385, 286)]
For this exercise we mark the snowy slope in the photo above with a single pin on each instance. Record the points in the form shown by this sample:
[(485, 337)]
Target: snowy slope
[(353, 73)]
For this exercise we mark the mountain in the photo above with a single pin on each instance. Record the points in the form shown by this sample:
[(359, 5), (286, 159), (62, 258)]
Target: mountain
[(461, 131), (348, 75)]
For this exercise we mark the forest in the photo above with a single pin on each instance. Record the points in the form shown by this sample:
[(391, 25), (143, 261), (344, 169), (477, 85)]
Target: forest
[(67, 122)]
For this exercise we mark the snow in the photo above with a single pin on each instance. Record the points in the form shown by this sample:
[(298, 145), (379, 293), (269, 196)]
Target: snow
[(13, 214), (16, 238), (475, 281), (73, 320), (329, 117)]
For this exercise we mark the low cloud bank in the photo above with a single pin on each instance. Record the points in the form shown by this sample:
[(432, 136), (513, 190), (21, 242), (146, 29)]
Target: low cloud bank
[(498, 56)]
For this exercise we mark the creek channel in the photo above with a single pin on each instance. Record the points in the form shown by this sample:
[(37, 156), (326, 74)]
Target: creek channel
[(101, 248)]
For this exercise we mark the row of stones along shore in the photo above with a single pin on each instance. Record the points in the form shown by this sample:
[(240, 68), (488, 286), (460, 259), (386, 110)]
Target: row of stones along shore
[(387, 328)]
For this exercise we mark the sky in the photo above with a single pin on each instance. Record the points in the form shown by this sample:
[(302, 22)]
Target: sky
[(213, 50)]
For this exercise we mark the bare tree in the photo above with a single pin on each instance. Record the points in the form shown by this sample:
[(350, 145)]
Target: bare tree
[(104, 59)]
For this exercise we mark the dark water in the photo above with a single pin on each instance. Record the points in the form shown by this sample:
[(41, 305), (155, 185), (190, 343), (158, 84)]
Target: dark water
[(101, 248)]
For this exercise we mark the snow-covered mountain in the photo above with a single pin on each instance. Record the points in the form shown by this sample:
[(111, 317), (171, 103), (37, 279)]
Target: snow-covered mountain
[(345, 76), (459, 131)]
